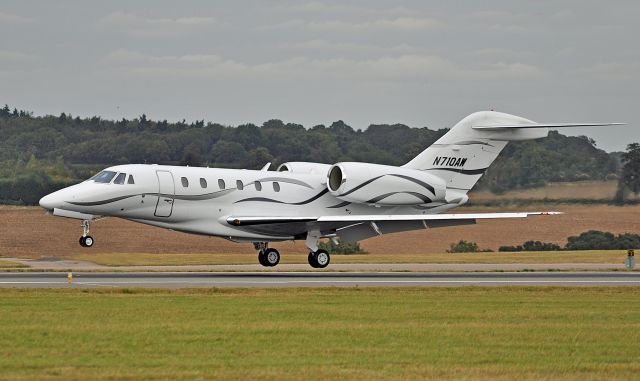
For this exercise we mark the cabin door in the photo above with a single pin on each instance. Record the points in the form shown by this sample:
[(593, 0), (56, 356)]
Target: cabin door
[(166, 191)]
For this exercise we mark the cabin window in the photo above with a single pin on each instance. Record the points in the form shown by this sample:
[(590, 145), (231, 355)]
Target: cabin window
[(239, 185), (203, 182), (104, 177), (120, 178), (258, 185), (276, 186), (130, 181), (221, 184), (185, 181)]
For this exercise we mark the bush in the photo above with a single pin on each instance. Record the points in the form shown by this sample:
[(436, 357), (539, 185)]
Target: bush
[(532, 246), (465, 247), (511, 248), (341, 247), (597, 240)]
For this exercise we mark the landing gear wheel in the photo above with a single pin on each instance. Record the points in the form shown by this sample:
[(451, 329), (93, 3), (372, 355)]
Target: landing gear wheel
[(319, 259), (271, 257), (86, 241), (312, 260), (262, 258), (322, 259)]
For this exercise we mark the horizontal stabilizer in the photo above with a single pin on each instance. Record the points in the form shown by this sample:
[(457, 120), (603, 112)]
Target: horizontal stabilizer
[(541, 125)]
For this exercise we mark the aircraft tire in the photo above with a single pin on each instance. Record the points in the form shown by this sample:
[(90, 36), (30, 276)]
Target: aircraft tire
[(271, 257), (262, 258), (88, 241), (312, 260), (81, 241), (322, 259)]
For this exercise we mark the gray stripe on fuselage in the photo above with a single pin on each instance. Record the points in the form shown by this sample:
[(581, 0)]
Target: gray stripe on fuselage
[(479, 171), (422, 197), (198, 197), (264, 199), (286, 180)]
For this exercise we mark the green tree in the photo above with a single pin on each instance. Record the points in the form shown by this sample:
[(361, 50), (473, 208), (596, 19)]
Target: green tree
[(33, 164), (630, 176), (258, 157), (463, 247)]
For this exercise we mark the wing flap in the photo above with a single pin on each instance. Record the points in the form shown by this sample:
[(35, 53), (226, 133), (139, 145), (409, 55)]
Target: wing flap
[(430, 217)]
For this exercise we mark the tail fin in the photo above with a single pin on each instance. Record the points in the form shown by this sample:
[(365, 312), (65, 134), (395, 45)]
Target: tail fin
[(463, 154)]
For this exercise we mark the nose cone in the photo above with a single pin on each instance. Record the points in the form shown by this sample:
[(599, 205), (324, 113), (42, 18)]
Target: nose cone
[(50, 201)]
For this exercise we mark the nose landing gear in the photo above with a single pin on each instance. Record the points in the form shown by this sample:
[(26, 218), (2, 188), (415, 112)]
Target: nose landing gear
[(86, 240)]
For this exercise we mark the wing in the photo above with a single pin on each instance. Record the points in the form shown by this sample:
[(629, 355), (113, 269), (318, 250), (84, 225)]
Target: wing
[(356, 227), (541, 125)]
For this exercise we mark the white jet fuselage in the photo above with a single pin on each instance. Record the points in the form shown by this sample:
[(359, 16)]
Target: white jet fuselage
[(200, 200)]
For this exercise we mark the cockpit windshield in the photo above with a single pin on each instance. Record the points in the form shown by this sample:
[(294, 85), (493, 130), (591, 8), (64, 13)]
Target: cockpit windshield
[(120, 178), (103, 177)]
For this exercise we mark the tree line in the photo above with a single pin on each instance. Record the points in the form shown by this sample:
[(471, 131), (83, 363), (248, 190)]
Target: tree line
[(41, 153), (589, 240)]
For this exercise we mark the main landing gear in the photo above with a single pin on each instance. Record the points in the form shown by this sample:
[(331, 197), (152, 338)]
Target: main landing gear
[(267, 257), (270, 257), (319, 259), (86, 240)]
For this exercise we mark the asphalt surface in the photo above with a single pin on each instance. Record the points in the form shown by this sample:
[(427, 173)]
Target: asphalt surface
[(314, 279), (57, 264)]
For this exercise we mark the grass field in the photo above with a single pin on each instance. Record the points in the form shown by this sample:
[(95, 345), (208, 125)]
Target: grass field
[(321, 334), (11, 265), (142, 259)]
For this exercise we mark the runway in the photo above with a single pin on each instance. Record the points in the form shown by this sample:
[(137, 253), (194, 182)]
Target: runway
[(314, 279)]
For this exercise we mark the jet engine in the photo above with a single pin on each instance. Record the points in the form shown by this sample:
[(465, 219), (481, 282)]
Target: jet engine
[(304, 167), (384, 185)]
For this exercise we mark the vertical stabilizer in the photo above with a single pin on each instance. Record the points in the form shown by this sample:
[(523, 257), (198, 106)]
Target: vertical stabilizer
[(463, 154)]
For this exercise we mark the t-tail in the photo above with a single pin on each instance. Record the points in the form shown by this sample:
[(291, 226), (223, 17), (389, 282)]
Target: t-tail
[(463, 154)]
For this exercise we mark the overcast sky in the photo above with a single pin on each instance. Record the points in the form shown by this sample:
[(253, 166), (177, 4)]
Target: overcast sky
[(419, 63)]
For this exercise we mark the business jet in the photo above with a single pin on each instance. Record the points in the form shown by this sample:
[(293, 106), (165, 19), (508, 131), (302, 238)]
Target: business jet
[(306, 201)]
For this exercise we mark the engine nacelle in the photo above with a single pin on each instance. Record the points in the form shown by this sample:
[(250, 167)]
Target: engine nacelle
[(304, 167), (384, 185)]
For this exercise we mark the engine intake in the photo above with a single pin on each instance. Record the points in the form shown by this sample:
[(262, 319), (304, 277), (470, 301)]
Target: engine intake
[(304, 167), (384, 185)]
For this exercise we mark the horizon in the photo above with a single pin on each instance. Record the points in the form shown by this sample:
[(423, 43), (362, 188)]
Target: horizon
[(261, 124)]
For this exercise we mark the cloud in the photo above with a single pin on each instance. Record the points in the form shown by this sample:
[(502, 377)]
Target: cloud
[(6, 55), (619, 71), (399, 24), (15, 60), (146, 26), (321, 46), (11, 19), (394, 68), (499, 20), (316, 7)]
